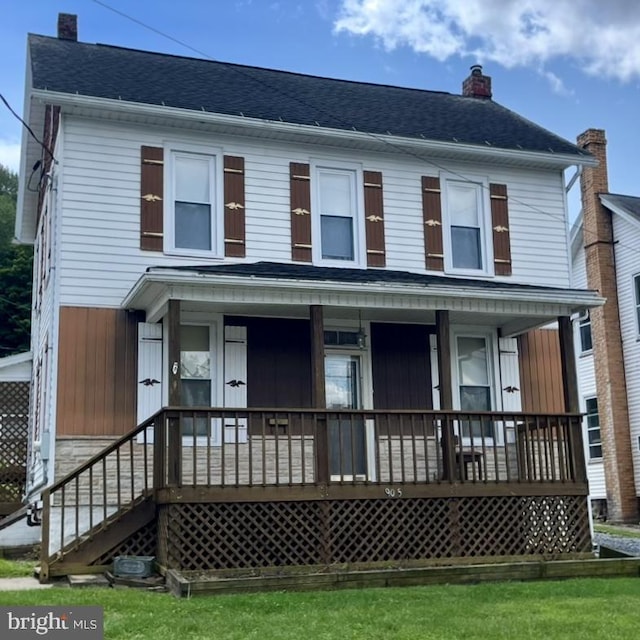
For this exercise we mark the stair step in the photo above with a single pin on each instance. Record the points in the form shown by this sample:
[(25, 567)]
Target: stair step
[(88, 580)]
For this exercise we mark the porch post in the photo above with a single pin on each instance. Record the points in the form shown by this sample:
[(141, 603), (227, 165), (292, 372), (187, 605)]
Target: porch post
[(446, 393), (174, 439), (571, 397), (318, 394)]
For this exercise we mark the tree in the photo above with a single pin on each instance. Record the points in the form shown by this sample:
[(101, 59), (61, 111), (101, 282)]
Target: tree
[(15, 273)]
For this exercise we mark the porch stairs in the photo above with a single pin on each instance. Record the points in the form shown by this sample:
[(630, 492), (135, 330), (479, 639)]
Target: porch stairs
[(102, 509)]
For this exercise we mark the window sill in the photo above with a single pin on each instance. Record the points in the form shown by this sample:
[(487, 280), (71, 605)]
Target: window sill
[(586, 354)]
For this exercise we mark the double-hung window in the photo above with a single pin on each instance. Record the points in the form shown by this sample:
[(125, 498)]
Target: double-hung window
[(466, 226), (594, 438), (337, 203), (584, 325), (191, 203)]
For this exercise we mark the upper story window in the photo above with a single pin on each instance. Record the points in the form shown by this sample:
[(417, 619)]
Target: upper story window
[(586, 342), (192, 211), (594, 438), (336, 223), (466, 227), (636, 289)]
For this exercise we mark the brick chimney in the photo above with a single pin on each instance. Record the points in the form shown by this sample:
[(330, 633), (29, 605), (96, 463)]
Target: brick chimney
[(477, 85), (622, 503), (68, 26)]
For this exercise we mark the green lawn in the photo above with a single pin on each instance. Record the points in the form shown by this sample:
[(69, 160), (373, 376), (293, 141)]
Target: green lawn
[(580, 609), (16, 568)]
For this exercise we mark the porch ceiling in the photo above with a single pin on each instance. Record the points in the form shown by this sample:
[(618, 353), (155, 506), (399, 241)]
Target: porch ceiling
[(288, 290)]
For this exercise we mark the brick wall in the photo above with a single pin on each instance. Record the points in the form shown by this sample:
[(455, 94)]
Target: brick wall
[(622, 503)]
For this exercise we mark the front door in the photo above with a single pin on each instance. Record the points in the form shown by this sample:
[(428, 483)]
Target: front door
[(347, 438)]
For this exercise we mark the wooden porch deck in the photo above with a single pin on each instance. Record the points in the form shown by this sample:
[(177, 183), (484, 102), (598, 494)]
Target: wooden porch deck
[(219, 489)]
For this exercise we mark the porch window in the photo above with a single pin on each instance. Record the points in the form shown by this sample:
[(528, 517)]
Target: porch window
[(594, 438), (586, 343), (195, 374), (474, 384), (337, 223), (464, 203), (636, 287), (191, 202)]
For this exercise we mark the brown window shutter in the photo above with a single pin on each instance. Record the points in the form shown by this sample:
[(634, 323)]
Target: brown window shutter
[(234, 217), (500, 226), (432, 219), (374, 219), (300, 211), (152, 202)]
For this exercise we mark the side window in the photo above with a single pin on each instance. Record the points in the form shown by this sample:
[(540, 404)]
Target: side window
[(191, 206), (636, 289), (594, 439), (196, 373), (474, 383), (465, 217), (337, 221), (584, 324)]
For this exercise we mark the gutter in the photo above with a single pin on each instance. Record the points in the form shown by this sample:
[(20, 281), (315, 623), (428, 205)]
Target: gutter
[(399, 143), (577, 298)]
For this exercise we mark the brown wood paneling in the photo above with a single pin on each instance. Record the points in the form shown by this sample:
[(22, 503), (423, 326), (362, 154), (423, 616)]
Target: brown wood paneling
[(151, 198), (500, 226), (541, 372), (400, 366), (278, 361), (234, 203), (374, 218), (432, 219), (300, 182), (96, 371)]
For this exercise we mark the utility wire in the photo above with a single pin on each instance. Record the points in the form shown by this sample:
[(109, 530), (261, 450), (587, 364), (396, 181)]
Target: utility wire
[(28, 128), (338, 119)]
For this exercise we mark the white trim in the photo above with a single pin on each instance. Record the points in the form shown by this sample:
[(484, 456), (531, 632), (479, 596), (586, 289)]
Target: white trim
[(216, 197), (481, 185), (131, 109), (625, 215), (635, 297), (354, 171), (493, 364)]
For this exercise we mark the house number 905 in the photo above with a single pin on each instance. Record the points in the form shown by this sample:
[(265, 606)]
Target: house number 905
[(393, 493)]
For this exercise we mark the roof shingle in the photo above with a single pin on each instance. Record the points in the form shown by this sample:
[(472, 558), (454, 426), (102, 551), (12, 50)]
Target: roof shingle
[(204, 85)]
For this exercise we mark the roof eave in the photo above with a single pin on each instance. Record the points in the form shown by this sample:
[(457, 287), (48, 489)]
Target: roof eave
[(571, 299), (290, 130)]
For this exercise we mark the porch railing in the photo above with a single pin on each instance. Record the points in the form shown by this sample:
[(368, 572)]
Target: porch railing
[(268, 447), (183, 447)]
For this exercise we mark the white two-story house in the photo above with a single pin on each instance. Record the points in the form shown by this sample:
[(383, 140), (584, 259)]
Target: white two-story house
[(281, 312)]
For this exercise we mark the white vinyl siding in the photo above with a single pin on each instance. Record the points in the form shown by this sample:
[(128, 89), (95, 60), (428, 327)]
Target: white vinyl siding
[(627, 267), (101, 258)]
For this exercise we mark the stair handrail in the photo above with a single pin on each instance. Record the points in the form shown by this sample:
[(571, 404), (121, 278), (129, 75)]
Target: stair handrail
[(74, 475)]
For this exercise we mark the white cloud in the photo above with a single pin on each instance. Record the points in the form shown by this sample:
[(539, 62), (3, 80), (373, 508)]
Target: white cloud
[(10, 154), (602, 37)]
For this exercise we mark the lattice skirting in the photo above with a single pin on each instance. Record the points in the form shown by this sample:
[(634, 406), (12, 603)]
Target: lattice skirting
[(142, 543), (272, 534), (14, 424)]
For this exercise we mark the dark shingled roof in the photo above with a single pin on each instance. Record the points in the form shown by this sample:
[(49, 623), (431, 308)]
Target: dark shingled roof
[(630, 204), (202, 85), (350, 276)]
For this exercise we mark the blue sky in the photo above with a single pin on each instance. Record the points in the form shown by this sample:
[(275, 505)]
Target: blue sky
[(566, 64)]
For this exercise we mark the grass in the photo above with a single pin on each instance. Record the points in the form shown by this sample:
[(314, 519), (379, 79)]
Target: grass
[(573, 609), (628, 532), (16, 568)]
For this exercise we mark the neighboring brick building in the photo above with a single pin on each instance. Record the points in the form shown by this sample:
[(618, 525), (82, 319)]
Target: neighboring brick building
[(606, 258)]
